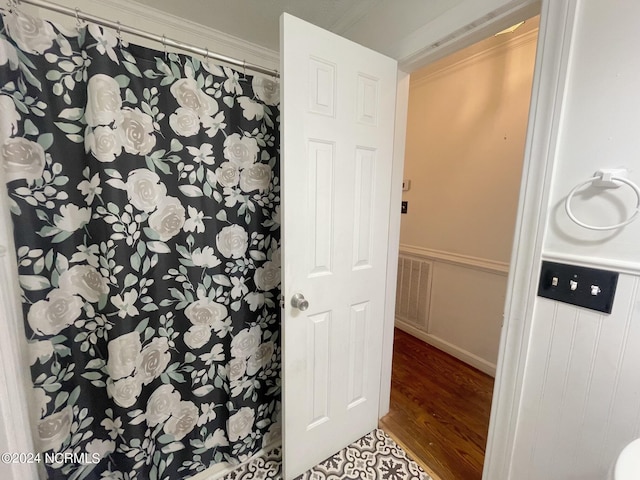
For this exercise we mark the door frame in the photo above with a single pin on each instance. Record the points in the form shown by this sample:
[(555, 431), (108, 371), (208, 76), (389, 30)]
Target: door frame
[(557, 20)]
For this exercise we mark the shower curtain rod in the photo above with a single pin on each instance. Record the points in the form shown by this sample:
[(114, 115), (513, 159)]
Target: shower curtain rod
[(167, 42)]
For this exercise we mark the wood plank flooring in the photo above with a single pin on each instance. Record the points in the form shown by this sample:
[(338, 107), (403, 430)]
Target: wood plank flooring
[(439, 409)]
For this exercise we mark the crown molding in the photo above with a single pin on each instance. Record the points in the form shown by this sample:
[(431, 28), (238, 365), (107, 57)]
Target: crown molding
[(481, 22), (431, 73), (215, 36)]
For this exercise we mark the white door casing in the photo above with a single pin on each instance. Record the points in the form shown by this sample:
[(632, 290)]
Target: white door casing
[(338, 106)]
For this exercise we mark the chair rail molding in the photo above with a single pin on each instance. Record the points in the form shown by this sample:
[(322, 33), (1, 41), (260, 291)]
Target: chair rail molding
[(491, 266), (623, 266)]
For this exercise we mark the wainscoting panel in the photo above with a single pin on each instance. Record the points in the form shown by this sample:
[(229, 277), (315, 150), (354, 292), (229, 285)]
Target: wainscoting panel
[(414, 290), (453, 302), (581, 402)]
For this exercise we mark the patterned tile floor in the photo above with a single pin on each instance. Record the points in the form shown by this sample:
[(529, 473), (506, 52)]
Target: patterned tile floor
[(373, 457)]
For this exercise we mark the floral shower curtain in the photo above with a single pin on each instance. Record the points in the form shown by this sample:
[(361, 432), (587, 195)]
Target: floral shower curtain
[(145, 197)]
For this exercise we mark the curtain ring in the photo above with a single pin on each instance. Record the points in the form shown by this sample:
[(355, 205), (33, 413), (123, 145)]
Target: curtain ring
[(244, 67), (119, 32), (78, 20), (13, 5), (164, 45), (206, 57)]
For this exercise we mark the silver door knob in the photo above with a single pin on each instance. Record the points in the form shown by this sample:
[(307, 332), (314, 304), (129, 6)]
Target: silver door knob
[(298, 301)]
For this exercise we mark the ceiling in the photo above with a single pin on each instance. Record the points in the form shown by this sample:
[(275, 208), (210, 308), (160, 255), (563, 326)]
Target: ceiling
[(257, 20), (377, 24), (414, 32)]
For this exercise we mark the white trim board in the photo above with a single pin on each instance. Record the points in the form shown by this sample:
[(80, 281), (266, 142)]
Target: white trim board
[(453, 350), (485, 264), (623, 266), (400, 133)]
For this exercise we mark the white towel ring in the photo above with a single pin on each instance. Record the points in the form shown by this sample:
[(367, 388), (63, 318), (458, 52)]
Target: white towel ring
[(609, 179)]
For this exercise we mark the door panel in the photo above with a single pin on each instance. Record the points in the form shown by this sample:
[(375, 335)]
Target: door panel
[(338, 104)]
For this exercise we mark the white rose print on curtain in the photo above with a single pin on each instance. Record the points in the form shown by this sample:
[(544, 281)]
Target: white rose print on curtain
[(145, 196)]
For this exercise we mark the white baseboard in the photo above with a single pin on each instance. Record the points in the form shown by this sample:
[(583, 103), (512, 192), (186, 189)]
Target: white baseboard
[(453, 350)]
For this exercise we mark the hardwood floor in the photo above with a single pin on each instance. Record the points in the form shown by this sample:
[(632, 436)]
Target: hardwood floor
[(439, 409)]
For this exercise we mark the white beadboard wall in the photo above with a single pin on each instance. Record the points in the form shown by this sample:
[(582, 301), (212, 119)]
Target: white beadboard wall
[(582, 393)]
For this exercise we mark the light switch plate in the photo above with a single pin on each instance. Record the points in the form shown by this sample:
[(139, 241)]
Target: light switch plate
[(585, 287)]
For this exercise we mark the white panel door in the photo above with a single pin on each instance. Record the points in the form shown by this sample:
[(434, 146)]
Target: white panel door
[(338, 104)]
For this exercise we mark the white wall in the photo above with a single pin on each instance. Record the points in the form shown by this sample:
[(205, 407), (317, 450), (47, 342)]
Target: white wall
[(465, 144), (580, 401), (601, 128)]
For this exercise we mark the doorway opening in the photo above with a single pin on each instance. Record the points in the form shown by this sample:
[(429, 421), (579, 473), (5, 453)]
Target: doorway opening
[(465, 144)]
